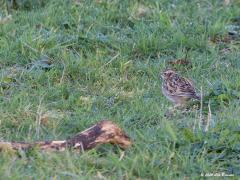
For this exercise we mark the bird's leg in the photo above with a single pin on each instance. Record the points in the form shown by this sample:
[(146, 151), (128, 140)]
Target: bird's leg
[(176, 106), (181, 106), (170, 111)]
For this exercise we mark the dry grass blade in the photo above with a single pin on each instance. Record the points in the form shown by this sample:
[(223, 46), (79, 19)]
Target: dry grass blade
[(209, 118)]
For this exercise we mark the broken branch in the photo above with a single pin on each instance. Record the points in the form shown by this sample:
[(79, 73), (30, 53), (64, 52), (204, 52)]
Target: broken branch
[(103, 132)]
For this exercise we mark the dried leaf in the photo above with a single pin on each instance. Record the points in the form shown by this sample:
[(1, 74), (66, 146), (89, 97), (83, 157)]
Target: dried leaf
[(181, 62), (142, 11)]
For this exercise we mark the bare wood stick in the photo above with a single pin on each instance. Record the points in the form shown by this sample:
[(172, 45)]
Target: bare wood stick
[(103, 132)]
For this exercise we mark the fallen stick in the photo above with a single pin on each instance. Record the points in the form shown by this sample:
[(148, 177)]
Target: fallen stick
[(103, 132)]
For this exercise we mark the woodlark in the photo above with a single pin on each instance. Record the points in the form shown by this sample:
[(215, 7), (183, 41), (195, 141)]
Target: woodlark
[(177, 89)]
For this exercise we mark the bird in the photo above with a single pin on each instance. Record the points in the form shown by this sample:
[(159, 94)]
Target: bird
[(177, 89)]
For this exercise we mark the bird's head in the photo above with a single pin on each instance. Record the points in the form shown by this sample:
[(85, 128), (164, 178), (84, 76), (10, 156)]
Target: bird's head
[(167, 74)]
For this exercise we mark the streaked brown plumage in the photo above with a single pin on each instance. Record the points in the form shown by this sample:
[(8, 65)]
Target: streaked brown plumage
[(177, 89)]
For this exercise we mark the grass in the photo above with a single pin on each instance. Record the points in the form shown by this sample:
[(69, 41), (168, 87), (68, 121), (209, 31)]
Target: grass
[(102, 60)]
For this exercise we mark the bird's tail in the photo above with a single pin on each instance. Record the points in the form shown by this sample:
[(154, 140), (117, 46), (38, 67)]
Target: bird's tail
[(197, 97)]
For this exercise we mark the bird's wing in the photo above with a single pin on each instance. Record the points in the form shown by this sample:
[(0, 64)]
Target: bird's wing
[(185, 88)]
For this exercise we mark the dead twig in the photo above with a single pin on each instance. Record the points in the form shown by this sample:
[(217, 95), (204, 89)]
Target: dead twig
[(103, 132)]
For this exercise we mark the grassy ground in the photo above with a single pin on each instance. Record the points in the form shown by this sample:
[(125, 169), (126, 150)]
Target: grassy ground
[(65, 65)]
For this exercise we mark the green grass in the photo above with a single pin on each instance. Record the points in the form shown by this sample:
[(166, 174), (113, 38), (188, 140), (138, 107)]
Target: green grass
[(105, 58)]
